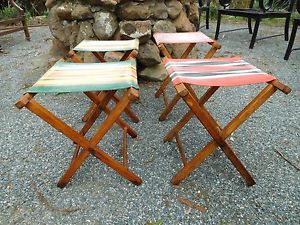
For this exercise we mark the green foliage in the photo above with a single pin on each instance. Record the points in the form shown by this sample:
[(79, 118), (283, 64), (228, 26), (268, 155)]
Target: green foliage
[(8, 12)]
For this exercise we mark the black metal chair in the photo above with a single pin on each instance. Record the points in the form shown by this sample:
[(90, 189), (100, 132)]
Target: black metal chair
[(277, 9), (204, 6), (293, 34)]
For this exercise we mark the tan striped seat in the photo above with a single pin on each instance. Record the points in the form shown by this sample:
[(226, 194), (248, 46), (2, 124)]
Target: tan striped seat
[(99, 82)]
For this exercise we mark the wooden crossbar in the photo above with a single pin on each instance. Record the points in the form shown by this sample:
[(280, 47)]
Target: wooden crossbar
[(218, 134), (87, 147), (169, 105), (100, 56)]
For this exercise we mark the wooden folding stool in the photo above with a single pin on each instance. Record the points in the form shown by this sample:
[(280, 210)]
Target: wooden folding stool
[(89, 78), (215, 73), (98, 48), (191, 38)]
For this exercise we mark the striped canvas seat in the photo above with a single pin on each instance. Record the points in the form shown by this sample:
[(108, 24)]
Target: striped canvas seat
[(215, 72), (107, 46), (181, 38), (83, 77)]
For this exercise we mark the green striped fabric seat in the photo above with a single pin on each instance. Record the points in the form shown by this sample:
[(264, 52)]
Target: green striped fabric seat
[(107, 46), (84, 77)]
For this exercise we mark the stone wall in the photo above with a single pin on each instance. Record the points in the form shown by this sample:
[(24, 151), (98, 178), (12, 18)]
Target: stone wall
[(71, 21)]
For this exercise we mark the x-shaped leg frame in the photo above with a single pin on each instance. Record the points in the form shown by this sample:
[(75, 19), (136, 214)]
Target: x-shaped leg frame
[(100, 56), (218, 134), (88, 147), (162, 89)]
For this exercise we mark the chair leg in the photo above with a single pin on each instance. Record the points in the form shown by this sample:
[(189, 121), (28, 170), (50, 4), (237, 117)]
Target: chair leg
[(218, 26), (88, 146), (25, 27), (207, 15), (253, 39), (215, 131), (163, 86), (249, 26), (291, 42), (286, 28), (262, 97), (186, 118), (169, 107)]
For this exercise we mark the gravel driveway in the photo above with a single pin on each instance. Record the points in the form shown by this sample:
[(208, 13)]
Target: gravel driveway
[(34, 156)]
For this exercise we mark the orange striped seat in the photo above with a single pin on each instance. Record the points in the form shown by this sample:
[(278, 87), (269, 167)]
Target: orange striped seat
[(215, 73)]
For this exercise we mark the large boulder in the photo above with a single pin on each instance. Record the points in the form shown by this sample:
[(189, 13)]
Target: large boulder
[(50, 3), (183, 24), (105, 25), (149, 54), (82, 12), (64, 11), (136, 29), (174, 8), (164, 26), (134, 11), (56, 26), (85, 31), (154, 73), (159, 10)]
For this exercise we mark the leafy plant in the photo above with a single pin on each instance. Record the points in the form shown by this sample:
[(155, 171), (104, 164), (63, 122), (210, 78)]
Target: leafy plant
[(8, 12)]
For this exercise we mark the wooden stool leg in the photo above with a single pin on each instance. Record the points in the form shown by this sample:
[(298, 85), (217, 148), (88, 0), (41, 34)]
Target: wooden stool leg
[(169, 107), (225, 133), (119, 121), (127, 110), (88, 146), (186, 118), (163, 86), (215, 46)]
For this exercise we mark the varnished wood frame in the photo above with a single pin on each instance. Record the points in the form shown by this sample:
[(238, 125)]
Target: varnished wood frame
[(218, 134), (100, 56), (169, 105), (87, 147)]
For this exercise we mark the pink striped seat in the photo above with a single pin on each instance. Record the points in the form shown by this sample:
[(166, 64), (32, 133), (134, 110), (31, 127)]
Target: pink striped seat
[(215, 72), (181, 38)]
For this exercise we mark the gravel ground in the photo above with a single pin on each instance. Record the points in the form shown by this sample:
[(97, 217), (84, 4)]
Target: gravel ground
[(34, 156)]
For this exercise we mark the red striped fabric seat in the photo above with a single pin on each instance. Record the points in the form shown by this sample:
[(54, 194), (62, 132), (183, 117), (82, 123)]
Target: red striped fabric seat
[(181, 38), (215, 72)]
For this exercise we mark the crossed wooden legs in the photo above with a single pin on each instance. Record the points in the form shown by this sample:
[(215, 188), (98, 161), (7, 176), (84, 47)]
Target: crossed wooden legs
[(162, 89), (127, 55), (218, 134), (88, 146)]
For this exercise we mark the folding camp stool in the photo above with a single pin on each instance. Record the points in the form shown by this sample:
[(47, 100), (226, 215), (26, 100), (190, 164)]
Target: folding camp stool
[(98, 48), (89, 78), (191, 38), (215, 73)]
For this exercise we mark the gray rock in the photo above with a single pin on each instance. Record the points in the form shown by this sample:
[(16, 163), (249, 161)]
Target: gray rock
[(134, 11), (64, 11), (154, 73), (85, 31), (105, 25), (164, 26), (183, 24), (174, 8), (56, 26), (50, 3), (159, 11), (81, 12), (149, 54), (136, 29)]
